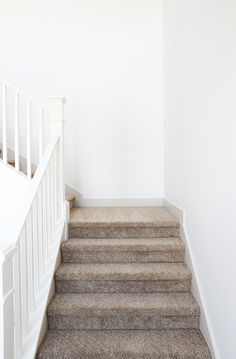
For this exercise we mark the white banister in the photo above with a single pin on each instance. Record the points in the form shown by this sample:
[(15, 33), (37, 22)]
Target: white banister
[(36, 253), (27, 268), (17, 165)]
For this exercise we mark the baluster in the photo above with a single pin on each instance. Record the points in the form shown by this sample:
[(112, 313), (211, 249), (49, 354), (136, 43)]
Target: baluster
[(18, 303), (55, 184), (40, 235), (29, 139), (24, 282), (44, 218), (40, 133), (49, 213), (47, 219), (35, 248), (8, 302), (4, 123), (17, 132), (52, 196), (58, 184), (30, 267)]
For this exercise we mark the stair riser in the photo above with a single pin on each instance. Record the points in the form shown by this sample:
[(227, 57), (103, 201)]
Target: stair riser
[(123, 321), (137, 344), (122, 232), (126, 355), (122, 286), (122, 257)]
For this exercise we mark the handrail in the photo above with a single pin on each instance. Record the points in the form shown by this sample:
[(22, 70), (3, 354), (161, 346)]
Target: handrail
[(21, 92)]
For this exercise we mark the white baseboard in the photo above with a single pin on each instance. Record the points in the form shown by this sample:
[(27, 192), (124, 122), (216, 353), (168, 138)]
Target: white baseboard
[(81, 201), (205, 324)]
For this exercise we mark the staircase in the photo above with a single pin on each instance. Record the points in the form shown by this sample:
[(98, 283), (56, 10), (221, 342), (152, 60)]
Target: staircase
[(123, 290)]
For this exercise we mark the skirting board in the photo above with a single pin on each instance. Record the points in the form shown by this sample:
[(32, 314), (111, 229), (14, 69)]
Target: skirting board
[(205, 324), (81, 201)]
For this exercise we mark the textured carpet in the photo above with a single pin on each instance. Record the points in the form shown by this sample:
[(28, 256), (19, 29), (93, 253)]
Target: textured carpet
[(123, 290)]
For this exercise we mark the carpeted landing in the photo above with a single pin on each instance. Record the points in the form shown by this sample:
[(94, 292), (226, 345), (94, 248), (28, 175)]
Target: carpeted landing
[(123, 290)]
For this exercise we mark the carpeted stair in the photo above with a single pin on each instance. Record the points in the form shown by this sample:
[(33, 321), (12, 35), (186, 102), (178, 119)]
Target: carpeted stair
[(123, 290)]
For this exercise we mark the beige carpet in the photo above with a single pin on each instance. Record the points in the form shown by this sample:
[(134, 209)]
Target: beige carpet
[(123, 290)]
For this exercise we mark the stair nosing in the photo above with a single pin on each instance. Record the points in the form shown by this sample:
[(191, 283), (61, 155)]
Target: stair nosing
[(163, 304), (153, 274), (123, 245)]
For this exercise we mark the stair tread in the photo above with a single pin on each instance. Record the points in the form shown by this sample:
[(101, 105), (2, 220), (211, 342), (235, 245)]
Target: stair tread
[(123, 244), (123, 271), (122, 217), (123, 344), (168, 304)]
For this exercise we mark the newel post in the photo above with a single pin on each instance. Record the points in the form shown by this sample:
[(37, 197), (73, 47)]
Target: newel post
[(56, 118), (7, 312)]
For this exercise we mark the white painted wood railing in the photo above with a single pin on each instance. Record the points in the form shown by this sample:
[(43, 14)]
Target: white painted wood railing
[(27, 267), (17, 104)]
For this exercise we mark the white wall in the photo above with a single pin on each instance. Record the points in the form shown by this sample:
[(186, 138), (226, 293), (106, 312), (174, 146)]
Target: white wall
[(105, 56), (200, 149)]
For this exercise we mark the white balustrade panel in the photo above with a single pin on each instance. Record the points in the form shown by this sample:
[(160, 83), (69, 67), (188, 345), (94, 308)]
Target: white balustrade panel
[(35, 253), (27, 268)]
